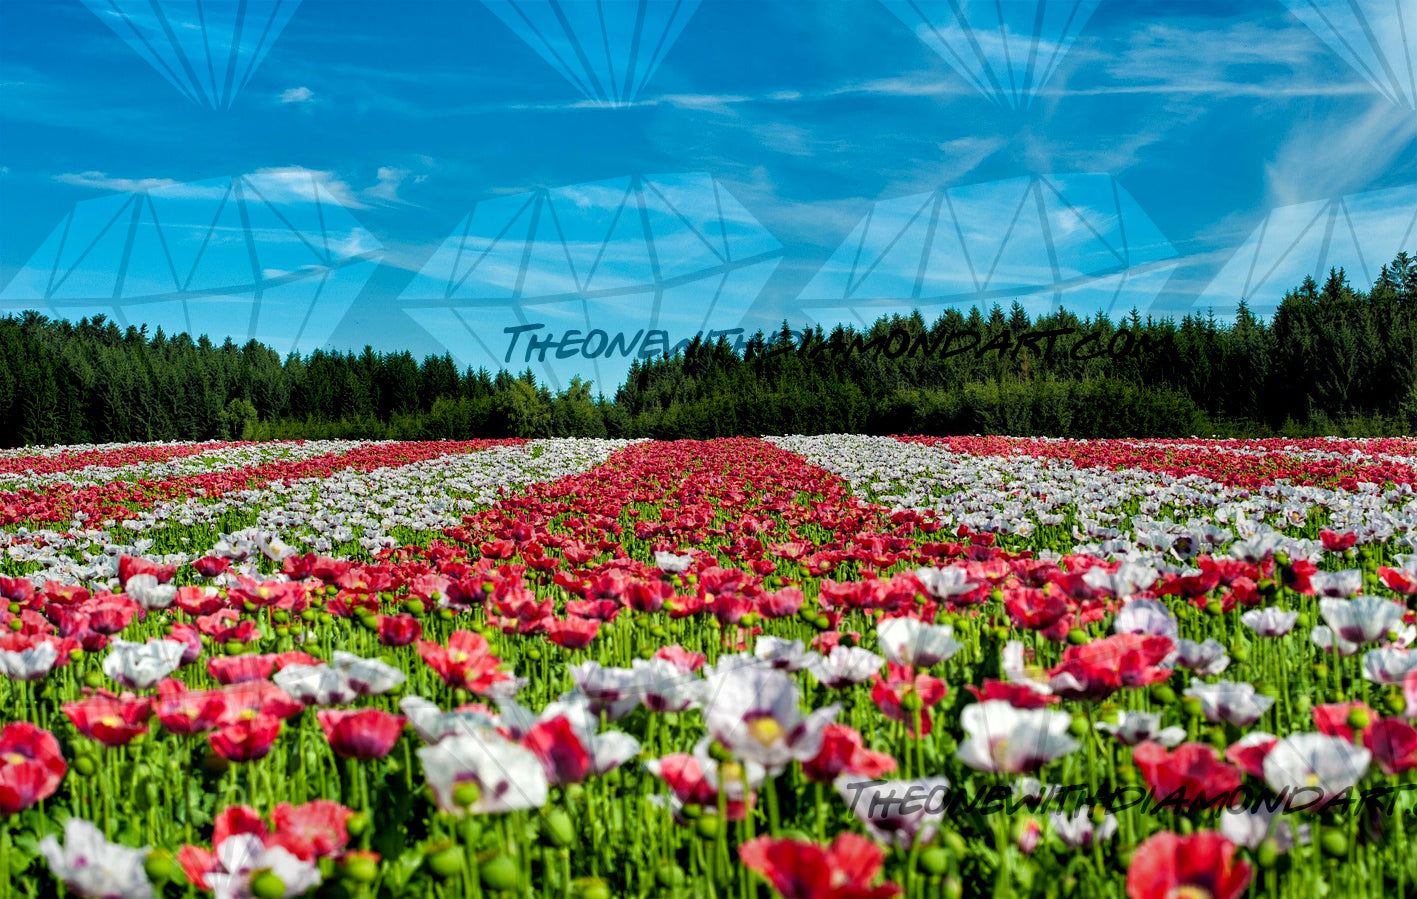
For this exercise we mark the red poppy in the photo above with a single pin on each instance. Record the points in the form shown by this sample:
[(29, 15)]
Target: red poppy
[(239, 669), (1248, 755), (31, 766), (1332, 718), (1201, 864), (1191, 768), (183, 711), (111, 720), (361, 734), (466, 661), (1096, 670), (903, 687), (572, 633), (129, 566), (1334, 542), (561, 751), (398, 630), (1019, 696), (844, 752), (258, 697), (246, 739), (312, 830), (1393, 743), (801, 870), (211, 566)]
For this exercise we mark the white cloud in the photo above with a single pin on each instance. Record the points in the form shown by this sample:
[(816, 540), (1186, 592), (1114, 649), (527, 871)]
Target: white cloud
[(101, 181), (297, 95), (386, 189)]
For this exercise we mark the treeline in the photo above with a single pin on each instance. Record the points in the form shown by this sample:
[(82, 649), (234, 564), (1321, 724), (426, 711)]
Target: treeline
[(1332, 360)]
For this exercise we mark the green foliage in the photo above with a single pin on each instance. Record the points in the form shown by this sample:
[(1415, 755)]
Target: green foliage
[(1333, 360)]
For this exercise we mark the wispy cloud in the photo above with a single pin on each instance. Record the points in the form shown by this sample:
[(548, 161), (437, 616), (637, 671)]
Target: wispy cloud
[(297, 95)]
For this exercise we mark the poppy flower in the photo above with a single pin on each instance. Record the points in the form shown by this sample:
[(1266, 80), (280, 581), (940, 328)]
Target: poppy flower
[(360, 734), (90, 865), (844, 752), (111, 720), (1098, 669), (507, 776), (466, 661), (801, 870), (902, 694), (316, 829), (1200, 864), (245, 739), (1002, 738), (1191, 769), (572, 633), (398, 630), (31, 766)]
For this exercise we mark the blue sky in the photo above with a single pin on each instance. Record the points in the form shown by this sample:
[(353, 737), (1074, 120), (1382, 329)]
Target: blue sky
[(820, 160)]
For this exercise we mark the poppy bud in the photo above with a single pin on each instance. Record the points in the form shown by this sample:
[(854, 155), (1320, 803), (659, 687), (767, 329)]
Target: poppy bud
[(445, 863), (466, 793), (85, 766), (357, 824), (1077, 636), (670, 875), (498, 873), (935, 861), (266, 885), (1359, 718), (557, 828), (590, 888), (1268, 854), (361, 867), (1334, 844), (158, 865), (707, 827)]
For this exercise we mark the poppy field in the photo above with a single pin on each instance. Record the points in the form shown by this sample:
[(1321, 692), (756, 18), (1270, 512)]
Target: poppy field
[(832, 666)]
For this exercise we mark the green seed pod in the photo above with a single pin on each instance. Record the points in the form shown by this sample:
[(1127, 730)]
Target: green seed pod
[(557, 828), (955, 844), (466, 793), (499, 873), (1268, 854), (1334, 844), (445, 863), (158, 865), (266, 885), (935, 861), (361, 868), (590, 888), (707, 827), (357, 824), (670, 875), (1078, 727)]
